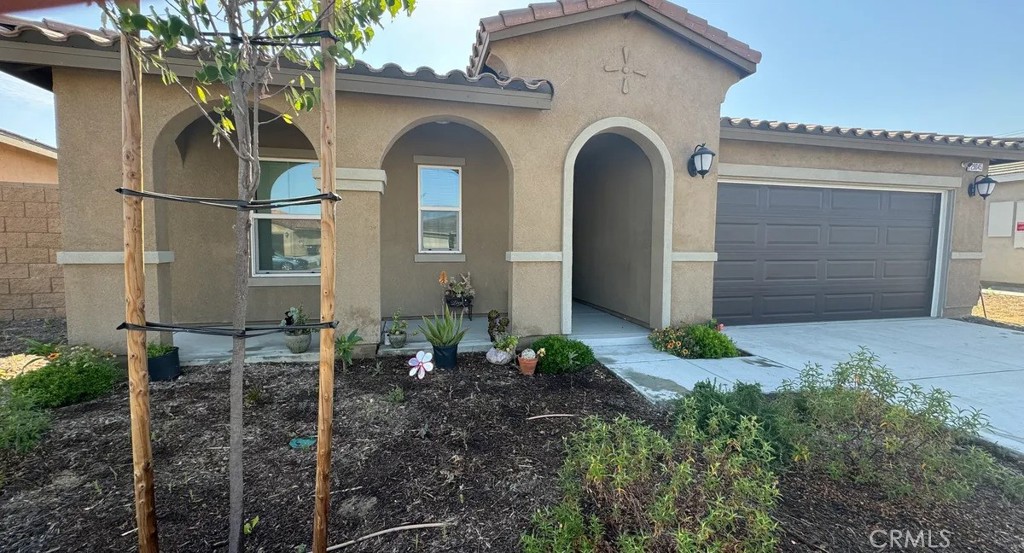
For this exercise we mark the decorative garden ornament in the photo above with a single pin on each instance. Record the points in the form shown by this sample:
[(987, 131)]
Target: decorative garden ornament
[(421, 364)]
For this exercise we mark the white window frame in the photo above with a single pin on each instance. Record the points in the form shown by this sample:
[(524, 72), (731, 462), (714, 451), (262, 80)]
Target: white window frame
[(254, 234), (420, 208)]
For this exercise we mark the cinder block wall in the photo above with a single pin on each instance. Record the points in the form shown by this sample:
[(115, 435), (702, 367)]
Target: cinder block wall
[(31, 282)]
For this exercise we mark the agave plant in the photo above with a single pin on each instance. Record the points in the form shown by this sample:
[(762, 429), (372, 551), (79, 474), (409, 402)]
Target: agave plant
[(443, 331)]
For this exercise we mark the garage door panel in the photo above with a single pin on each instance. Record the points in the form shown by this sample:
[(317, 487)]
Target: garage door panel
[(738, 233), (859, 201), (779, 234), (809, 254), (849, 235), (796, 199)]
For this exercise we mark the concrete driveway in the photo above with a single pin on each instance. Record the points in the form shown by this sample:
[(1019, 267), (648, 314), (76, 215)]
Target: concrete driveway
[(982, 366)]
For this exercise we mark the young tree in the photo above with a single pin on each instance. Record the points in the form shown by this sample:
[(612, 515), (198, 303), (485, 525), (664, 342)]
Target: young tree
[(240, 46)]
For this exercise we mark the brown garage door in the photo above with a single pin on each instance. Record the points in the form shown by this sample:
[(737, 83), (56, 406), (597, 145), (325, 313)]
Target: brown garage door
[(793, 254)]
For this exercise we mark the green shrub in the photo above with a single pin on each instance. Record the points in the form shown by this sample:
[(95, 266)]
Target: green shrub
[(42, 349), (698, 341), (22, 421), (562, 355), (860, 422), (156, 350), (777, 426), (74, 374), (626, 487)]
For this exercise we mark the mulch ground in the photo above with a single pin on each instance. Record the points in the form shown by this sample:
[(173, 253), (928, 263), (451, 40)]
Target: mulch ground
[(14, 333), (458, 448)]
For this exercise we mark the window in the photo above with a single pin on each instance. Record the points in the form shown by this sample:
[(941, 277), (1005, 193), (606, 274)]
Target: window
[(286, 240), (440, 209)]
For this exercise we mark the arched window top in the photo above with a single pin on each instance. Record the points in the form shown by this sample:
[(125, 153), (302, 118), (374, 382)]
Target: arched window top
[(289, 179)]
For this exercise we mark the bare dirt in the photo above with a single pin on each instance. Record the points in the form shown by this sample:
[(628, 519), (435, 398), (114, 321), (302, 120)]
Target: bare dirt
[(1001, 307)]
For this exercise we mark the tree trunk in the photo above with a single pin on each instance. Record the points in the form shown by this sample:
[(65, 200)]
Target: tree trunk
[(235, 465), (246, 186)]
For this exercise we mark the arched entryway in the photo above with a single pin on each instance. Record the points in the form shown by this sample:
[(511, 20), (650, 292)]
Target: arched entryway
[(617, 224)]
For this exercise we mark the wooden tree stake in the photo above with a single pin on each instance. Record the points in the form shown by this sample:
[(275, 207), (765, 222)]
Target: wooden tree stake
[(135, 294), (327, 262)]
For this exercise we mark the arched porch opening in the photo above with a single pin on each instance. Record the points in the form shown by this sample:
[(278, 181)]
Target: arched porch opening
[(617, 223), (446, 207)]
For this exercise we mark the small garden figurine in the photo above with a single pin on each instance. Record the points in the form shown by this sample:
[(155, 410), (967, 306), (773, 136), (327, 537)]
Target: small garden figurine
[(298, 339), (496, 325), (458, 293), (397, 331), (528, 360)]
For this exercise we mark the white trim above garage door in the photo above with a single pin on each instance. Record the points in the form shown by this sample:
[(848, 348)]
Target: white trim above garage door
[(833, 178)]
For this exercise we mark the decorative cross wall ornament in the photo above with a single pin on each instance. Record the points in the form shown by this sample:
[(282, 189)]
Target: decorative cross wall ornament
[(625, 69)]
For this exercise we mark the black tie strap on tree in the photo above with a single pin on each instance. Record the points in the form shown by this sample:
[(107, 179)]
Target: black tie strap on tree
[(247, 332), (233, 204)]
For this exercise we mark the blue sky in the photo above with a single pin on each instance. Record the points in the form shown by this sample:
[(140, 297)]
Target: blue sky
[(948, 66)]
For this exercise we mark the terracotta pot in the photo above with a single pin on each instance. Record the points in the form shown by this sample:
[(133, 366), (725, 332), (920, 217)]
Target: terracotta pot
[(527, 366)]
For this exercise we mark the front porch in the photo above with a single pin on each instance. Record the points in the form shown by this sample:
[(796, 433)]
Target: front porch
[(591, 326)]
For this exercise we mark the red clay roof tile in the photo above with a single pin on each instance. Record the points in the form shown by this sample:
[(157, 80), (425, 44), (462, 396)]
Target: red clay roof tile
[(537, 12)]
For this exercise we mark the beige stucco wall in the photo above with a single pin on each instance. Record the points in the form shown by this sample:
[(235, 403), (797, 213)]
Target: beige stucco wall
[(612, 236), (412, 287), (1004, 263), (967, 214), (678, 100), (18, 165)]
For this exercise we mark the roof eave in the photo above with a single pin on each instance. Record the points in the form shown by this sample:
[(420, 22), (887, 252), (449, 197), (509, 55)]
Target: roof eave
[(990, 153), (107, 58), (28, 145)]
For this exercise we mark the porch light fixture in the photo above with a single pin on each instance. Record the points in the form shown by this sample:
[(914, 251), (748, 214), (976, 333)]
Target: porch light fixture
[(700, 161), (983, 186)]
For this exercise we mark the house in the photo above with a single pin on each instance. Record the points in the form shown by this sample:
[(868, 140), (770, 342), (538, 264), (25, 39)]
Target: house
[(555, 169), (1003, 245), (31, 283)]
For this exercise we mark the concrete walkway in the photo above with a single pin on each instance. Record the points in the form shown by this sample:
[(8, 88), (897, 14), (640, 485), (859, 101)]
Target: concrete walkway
[(982, 366)]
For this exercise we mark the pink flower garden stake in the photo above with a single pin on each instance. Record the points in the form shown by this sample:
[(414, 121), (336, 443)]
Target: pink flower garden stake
[(421, 364)]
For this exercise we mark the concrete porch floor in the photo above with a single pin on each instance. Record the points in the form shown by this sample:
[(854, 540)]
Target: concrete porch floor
[(982, 366), (592, 326)]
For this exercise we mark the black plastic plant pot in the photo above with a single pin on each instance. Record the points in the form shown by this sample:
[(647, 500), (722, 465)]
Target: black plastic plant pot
[(444, 356), (165, 367)]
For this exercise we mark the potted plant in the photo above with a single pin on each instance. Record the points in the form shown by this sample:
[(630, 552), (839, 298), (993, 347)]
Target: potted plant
[(458, 293), (297, 340), (444, 333), (504, 349), (163, 362), (528, 360), (397, 331)]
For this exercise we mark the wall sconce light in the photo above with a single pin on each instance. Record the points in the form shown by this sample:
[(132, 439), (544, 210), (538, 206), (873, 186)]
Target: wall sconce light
[(700, 161), (983, 186)]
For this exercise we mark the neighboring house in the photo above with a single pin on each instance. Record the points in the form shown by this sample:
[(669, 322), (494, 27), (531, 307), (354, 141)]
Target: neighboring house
[(1004, 230), (31, 284), (568, 184)]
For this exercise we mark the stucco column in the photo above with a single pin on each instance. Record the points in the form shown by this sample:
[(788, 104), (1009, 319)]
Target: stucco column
[(964, 253), (535, 253), (88, 131), (358, 263)]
